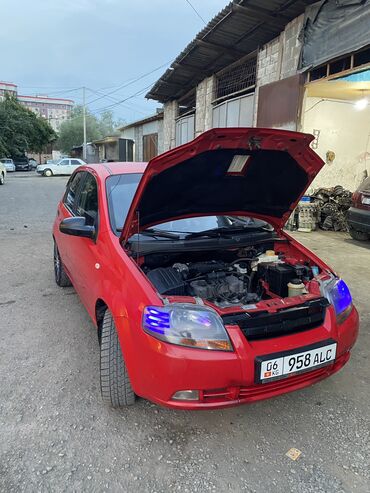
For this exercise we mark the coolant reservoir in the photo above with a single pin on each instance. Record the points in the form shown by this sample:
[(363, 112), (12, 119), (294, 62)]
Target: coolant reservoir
[(269, 256), (296, 287)]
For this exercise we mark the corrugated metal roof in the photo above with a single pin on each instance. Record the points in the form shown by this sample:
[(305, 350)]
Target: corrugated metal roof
[(239, 29), (153, 118)]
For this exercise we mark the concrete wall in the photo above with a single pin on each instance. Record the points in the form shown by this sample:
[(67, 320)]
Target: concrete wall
[(204, 97), (170, 113), (345, 131)]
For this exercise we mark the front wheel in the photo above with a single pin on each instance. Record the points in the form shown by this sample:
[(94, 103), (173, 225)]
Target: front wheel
[(114, 380), (2, 178), (48, 172), (358, 235)]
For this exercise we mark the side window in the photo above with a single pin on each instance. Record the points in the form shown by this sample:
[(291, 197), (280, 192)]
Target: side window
[(72, 188), (75, 162), (87, 205), (64, 162)]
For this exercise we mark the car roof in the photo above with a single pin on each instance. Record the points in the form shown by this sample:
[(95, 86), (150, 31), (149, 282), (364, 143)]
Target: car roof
[(116, 168)]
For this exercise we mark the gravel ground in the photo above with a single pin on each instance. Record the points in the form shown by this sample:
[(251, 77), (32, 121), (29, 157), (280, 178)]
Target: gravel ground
[(58, 435)]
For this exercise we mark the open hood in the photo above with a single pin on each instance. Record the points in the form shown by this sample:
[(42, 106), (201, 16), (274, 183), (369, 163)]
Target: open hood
[(226, 171)]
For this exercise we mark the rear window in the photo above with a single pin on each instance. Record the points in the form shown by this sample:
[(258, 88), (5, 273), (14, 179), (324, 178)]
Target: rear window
[(120, 192)]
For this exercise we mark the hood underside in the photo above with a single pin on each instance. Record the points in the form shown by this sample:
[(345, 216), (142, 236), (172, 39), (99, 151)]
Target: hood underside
[(234, 171)]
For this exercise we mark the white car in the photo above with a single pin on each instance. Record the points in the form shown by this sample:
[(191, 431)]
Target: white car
[(8, 164), (2, 173), (65, 166)]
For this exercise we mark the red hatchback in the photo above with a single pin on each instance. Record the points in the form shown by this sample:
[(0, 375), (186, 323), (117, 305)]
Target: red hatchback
[(200, 299)]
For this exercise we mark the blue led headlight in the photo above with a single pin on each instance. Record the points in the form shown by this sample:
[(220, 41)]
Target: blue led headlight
[(188, 325), (337, 293)]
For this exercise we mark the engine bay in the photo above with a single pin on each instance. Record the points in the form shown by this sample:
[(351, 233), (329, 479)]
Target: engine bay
[(232, 277)]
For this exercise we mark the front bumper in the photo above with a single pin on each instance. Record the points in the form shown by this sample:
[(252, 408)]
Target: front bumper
[(226, 379)]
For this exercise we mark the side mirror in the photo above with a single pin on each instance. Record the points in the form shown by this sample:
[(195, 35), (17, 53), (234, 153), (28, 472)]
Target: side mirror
[(76, 226)]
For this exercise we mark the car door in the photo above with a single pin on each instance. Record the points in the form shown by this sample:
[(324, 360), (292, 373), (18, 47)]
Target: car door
[(74, 164), (85, 253), (66, 209), (62, 168)]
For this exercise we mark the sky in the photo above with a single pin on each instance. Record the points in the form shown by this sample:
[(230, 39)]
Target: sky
[(56, 47)]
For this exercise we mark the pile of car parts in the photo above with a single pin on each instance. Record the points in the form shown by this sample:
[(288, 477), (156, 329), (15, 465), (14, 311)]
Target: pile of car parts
[(332, 205), (325, 208)]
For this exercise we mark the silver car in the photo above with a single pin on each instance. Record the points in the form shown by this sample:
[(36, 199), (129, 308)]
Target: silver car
[(65, 166), (8, 164)]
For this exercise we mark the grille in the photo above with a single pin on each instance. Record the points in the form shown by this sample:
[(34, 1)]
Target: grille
[(264, 325)]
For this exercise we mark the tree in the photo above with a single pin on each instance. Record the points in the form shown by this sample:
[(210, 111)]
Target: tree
[(71, 131), (21, 130)]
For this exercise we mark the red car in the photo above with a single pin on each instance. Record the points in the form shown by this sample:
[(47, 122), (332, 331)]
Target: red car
[(200, 299)]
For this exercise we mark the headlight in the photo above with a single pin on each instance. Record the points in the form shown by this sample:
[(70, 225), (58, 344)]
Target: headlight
[(337, 293), (187, 325)]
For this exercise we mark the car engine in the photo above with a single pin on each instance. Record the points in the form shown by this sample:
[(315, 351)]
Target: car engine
[(242, 281)]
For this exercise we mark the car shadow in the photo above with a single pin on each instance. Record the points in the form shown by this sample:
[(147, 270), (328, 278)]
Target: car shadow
[(363, 244)]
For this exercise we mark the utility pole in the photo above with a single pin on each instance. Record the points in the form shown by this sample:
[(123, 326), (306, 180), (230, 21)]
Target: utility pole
[(84, 149)]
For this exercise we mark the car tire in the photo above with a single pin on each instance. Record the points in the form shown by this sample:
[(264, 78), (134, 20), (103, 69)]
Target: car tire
[(358, 235), (48, 172), (114, 380), (2, 179), (61, 277)]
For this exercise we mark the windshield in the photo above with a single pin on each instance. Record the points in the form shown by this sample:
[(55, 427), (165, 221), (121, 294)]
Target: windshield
[(121, 190)]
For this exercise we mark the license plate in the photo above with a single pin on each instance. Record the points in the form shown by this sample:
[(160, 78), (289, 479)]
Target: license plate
[(366, 200), (282, 365)]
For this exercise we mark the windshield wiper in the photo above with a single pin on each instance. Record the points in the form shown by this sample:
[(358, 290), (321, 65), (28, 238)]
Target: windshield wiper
[(222, 232), (160, 234), (155, 232)]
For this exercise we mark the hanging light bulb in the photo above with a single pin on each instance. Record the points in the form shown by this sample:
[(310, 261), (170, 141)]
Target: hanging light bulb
[(361, 104)]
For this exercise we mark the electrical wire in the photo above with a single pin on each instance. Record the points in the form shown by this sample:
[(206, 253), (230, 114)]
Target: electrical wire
[(131, 82), (131, 108), (195, 10), (141, 91)]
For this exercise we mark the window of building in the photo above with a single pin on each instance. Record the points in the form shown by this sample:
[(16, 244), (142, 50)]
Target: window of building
[(185, 129), (237, 112), (187, 103), (240, 77), (342, 64)]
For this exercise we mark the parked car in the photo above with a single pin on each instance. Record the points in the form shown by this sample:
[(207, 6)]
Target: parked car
[(21, 163), (33, 163), (65, 166), (9, 164), (2, 173), (200, 298), (358, 215)]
